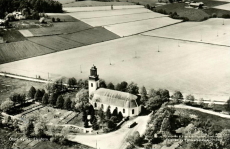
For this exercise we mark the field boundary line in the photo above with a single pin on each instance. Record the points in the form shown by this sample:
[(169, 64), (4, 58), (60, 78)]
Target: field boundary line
[(115, 15), (134, 21), (140, 33), (99, 10), (186, 40)]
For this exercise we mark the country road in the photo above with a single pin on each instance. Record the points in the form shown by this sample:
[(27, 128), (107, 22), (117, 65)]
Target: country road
[(113, 140)]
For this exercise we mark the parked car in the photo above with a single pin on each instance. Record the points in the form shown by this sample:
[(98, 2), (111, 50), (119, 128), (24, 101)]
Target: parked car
[(132, 124)]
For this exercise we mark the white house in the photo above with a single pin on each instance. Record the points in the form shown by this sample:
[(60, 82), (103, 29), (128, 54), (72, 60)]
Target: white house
[(125, 103)]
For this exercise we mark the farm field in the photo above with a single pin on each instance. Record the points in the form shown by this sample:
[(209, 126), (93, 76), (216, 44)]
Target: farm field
[(94, 14), (224, 7), (131, 28), (192, 68), (121, 19), (20, 50), (91, 36), (60, 28), (9, 86), (100, 8), (210, 31), (11, 35), (95, 3), (56, 43)]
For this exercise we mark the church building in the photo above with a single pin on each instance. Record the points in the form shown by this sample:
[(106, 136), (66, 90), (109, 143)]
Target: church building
[(125, 103)]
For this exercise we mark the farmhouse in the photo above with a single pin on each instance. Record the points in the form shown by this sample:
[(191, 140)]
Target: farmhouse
[(125, 103)]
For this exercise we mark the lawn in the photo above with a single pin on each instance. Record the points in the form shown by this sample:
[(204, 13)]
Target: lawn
[(216, 120), (192, 68)]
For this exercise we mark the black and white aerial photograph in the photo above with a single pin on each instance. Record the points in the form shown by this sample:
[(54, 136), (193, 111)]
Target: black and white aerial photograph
[(115, 74)]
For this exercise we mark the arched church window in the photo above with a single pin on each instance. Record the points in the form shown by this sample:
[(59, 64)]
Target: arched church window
[(95, 105), (91, 84), (132, 111), (123, 110)]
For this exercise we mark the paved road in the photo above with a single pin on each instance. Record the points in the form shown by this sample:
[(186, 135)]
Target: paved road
[(113, 140), (203, 110)]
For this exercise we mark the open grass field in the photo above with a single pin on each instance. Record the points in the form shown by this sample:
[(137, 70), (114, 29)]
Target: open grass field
[(101, 21), (193, 68), (100, 8), (55, 43), (91, 36), (9, 86), (131, 28), (95, 3), (218, 12), (20, 50), (219, 121), (60, 28), (84, 15), (210, 31)]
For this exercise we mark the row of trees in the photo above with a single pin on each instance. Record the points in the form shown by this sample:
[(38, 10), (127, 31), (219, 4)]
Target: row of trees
[(36, 5)]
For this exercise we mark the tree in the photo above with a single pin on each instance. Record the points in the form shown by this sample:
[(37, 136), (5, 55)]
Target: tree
[(164, 94), (39, 129), (120, 116), (200, 102), (60, 102), (152, 93), (101, 114), (7, 105), (102, 83), (53, 19), (144, 97), (73, 105), (82, 96), (72, 82), (190, 98), (65, 131), (110, 124), (115, 112), (38, 95), (118, 87), (135, 139), (211, 105), (153, 103), (45, 99), (224, 136), (110, 86), (177, 95), (227, 105), (53, 99), (132, 88), (67, 104), (114, 119), (165, 126), (108, 113), (28, 128), (58, 20), (32, 92)]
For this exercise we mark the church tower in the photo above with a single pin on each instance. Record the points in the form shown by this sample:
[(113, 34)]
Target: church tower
[(93, 80)]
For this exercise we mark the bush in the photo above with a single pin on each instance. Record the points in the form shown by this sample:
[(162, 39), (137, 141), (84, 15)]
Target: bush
[(214, 15), (226, 16), (58, 20)]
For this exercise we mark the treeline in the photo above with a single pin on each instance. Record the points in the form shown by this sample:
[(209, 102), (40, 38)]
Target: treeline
[(8, 6)]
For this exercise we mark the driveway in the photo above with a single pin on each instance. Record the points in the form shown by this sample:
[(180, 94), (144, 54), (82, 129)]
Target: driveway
[(113, 140)]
